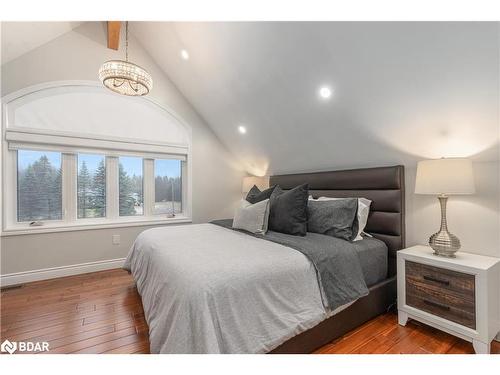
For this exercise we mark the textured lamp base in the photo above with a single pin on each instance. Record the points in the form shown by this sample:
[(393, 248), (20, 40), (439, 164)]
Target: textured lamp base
[(443, 242)]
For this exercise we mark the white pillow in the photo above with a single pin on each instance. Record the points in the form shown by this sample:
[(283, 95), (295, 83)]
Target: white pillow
[(363, 211), (252, 217)]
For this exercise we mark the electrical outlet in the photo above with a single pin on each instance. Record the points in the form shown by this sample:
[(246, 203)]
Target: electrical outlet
[(116, 239)]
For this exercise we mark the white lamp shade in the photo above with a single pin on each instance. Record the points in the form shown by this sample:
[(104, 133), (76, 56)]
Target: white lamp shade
[(445, 176), (261, 182)]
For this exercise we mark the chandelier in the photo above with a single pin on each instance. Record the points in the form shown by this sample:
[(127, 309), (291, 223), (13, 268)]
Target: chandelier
[(125, 77)]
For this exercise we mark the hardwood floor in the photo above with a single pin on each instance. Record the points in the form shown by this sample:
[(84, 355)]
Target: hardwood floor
[(383, 335), (101, 312)]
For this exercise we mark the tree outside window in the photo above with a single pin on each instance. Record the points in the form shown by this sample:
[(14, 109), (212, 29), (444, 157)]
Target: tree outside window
[(39, 185), (91, 186), (131, 199)]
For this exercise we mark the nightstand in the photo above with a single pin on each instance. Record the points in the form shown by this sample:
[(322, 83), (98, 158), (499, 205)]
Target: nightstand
[(456, 295)]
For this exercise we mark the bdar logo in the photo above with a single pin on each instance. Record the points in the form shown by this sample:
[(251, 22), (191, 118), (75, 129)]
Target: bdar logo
[(8, 346), (24, 346)]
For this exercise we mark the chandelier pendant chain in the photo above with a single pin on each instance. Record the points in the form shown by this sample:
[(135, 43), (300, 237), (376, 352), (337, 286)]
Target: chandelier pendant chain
[(126, 41)]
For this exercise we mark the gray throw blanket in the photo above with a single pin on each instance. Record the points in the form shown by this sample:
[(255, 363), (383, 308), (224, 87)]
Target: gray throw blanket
[(337, 265)]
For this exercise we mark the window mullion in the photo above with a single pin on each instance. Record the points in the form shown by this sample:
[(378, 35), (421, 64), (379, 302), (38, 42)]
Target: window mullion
[(112, 188), (149, 187), (11, 205), (184, 191), (69, 192)]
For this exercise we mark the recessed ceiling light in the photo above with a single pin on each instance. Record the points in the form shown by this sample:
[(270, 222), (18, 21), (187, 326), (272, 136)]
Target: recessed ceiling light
[(242, 129), (325, 92), (185, 54)]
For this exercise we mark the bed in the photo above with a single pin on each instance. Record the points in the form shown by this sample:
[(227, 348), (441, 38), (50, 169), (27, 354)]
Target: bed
[(209, 289)]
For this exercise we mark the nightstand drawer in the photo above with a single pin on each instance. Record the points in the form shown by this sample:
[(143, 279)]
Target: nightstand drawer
[(444, 293), (440, 296), (457, 283), (443, 310)]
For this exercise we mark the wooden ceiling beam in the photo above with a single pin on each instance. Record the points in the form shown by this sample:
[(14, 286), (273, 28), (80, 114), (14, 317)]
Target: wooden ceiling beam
[(114, 34)]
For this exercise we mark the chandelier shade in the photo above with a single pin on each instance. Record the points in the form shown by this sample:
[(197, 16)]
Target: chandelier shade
[(125, 78)]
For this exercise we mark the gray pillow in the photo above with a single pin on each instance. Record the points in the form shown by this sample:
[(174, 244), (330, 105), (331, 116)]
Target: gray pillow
[(362, 216), (252, 217), (288, 210), (336, 218), (255, 195)]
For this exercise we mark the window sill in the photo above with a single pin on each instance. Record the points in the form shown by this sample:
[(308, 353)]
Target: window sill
[(18, 231)]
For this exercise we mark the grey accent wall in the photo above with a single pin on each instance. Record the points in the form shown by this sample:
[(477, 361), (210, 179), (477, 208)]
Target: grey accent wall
[(78, 55)]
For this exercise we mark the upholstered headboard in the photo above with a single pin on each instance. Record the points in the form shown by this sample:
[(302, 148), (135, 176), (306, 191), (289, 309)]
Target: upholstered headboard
[(383, 185)]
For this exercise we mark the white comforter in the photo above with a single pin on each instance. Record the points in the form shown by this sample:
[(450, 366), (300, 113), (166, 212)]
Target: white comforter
[(207, 289)]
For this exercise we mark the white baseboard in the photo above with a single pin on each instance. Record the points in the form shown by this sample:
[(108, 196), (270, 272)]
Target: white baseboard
[(51, 273)]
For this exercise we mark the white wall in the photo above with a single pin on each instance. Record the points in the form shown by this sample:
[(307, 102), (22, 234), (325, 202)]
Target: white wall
[(78, 55), (403, 92)]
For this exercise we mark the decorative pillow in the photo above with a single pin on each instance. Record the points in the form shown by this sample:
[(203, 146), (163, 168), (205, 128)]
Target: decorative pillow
[(363, 212), (252, 217), (336, 218), (255, 195), (288, 210)]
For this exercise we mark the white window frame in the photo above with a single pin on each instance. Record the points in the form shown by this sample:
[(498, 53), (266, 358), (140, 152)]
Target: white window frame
[(151, 169), (70, 146)]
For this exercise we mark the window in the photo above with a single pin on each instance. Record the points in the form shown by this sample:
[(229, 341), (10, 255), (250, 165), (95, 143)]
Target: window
[(91, 186), (130, 183), (81, 187), (168, 186), (64, 168), (39, 185)]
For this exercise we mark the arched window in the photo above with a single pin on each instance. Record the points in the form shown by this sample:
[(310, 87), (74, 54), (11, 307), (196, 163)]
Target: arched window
[(77, 155)]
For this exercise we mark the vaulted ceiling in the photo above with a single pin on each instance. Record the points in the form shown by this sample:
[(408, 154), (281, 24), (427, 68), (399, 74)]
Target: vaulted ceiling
[(401, 91), (21, 37)]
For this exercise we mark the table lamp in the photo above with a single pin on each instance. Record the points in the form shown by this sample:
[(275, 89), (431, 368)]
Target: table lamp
[(443, 177)]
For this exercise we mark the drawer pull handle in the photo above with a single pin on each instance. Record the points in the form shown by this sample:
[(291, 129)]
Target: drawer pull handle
[(435, 304), (430, 278)]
